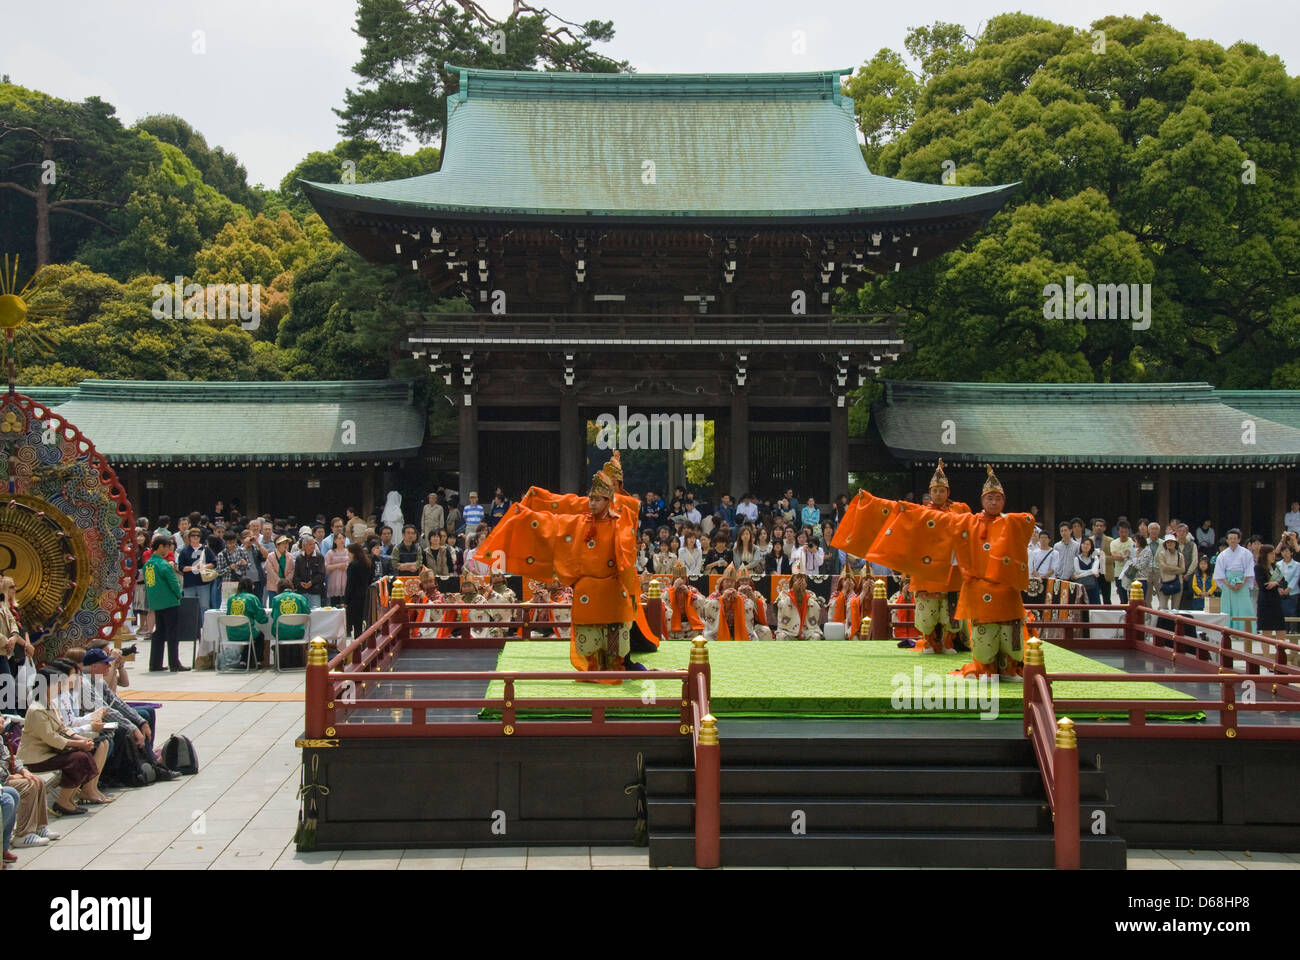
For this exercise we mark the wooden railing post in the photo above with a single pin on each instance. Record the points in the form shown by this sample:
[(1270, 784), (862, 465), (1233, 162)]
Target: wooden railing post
[(708, 796), (317, 694), (1034, 667), (1065, 767), (881, 628), (654, 610), (699, 665), (1133, 614)]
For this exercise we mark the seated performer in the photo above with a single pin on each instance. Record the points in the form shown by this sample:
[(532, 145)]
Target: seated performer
[(685, 607), (759, 628), (842, 601), (797, 610), (591, 546), (537, 620), (904, 620)]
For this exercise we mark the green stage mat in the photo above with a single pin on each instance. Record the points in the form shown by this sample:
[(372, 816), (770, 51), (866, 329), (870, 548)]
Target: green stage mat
[(818, 680)]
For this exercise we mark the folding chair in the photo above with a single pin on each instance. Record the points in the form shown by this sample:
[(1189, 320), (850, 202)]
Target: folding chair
[(224, 622), (290, 620)]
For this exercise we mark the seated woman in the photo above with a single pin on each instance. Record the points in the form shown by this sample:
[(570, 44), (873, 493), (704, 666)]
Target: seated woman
[(50, 744)]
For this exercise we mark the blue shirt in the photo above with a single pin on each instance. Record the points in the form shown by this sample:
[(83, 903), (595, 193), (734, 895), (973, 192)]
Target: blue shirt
[(811, 516), (472, 515)]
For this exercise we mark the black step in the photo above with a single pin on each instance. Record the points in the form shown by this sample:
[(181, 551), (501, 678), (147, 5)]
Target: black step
[(886, 849), (841, 781), (869, 814), (882, 751)]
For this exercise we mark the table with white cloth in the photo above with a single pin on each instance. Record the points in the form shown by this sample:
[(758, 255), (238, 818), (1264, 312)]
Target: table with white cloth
[(327, 622), (1096, 617)]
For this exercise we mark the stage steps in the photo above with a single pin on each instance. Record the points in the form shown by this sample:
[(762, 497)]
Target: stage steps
[(885, 801)]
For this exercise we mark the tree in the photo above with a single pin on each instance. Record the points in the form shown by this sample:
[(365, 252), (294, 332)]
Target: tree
[(364, 160), (61, 159), (1143, 157), (168, 216), (220, 170), (411, 44)]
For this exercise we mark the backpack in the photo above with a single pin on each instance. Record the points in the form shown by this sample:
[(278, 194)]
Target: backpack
[(128, 765), (178, 754)]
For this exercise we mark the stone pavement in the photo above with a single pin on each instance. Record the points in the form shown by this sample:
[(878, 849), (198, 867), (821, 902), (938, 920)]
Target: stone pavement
[(240, 811)]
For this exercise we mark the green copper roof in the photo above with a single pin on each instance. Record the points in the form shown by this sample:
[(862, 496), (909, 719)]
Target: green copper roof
[(1280, 406), (722, 145), (1187, 424), (136, 421)]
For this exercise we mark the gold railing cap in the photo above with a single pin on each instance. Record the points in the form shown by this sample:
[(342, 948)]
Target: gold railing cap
[(879, 590), (318, 653)]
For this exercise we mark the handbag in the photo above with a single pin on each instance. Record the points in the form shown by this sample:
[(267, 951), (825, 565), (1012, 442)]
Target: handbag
[(1171, 587)]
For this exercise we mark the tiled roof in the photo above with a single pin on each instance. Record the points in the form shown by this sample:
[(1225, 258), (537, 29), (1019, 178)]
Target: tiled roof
[(1183, 424), (222, 423), (722, 145)]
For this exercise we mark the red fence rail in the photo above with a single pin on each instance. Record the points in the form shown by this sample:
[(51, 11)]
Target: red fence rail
[(337, 688)]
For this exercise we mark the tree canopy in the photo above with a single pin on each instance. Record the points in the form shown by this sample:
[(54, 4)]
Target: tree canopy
[(1143, 157)]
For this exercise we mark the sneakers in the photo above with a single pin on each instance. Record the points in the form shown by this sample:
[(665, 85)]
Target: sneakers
[(32, 840), (49, 834)]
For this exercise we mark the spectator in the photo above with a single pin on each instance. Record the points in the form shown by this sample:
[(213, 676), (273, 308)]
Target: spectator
[(355, 527), (380, 565), (226, 571), (473, 513), (785, 510), (1123, 551), (336, 572), (143, 615), (1292, 519), (777, 560), (762, 544), (309, 573), (1106, 564), (407, 558), (278, 566), (727, 511), (1042, 558), (245, 603), (691, 556), (719, 556), (1272, 588), (163, 589), (748, 509), (1087, 564), (1203, 585), (386, 540), (356, 589), (810, 516), (746, 552), (48, 743), (1205, 539), (432, 517), (453, 521), (1168, 570), (31, 823), (497, 510), (438, 557), (807, 553), (651, 511), (663, 559), (336, 535), (1290, 569), (691, 514), (193, 559), (287, 601)]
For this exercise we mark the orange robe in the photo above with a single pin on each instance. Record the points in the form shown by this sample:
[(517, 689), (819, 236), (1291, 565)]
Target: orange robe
[(994, 557), (548, 535), (738, 612)]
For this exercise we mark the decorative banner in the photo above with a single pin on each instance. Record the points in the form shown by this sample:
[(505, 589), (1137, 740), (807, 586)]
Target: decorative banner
[(66, 528)]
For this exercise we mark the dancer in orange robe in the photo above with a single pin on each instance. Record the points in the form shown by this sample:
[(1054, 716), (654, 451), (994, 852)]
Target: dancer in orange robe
[(594, 551)]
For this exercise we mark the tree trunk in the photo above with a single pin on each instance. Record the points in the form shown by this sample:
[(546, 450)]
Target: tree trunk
[(43, 211)]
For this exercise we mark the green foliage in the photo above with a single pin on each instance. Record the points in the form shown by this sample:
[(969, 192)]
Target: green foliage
[(364, 159), (220, 170), (1131, 169), (168, 217), (411, 46)]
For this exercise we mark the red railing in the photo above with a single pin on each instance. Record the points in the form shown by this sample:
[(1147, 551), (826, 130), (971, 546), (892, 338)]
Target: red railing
[(1056, 749), (336, 688)]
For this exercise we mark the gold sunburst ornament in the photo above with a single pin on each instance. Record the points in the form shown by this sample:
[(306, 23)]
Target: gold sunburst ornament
[(35, 301)]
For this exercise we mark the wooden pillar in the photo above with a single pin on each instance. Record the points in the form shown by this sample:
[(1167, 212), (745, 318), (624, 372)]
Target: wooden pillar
[(1280, 504), (468, 450), (1244, 521), (572, 444), (252, 506), (367, 506), (1047, 513), (1162, 496), (739, 445), (132, 485), (1215, 516), (839, 448)]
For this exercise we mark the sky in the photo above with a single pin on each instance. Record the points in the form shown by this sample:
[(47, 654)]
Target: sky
[(272, 71)]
